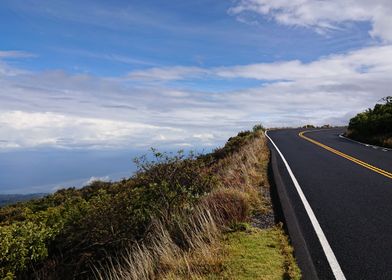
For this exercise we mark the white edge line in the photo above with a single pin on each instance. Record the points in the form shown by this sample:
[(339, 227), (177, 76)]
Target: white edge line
[(333, 262), (364, 144)]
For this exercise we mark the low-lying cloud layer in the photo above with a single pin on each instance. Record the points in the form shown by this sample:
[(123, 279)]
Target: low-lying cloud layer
[(156, 107)]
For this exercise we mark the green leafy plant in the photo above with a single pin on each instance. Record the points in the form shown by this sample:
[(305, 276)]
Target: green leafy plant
[(373, 126)]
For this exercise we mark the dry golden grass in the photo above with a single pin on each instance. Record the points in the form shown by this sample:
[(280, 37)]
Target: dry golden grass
[(162, 258), (228, 205), (246, 171)]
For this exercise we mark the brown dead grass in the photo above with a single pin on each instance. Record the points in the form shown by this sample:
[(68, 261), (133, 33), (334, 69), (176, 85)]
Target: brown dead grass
[(162, 258), (229, 205), (246, 171)]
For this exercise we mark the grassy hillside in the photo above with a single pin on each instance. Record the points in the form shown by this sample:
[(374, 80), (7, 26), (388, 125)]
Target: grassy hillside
[(373, 126), (179, 217)]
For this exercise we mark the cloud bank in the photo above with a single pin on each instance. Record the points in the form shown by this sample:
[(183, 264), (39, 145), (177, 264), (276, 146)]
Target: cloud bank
[(156, 107)]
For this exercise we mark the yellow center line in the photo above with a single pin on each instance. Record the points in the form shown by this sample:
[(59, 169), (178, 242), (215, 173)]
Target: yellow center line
[(339, 153)]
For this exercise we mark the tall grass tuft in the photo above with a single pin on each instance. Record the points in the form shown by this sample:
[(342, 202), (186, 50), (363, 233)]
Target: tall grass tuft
[(164, 256)]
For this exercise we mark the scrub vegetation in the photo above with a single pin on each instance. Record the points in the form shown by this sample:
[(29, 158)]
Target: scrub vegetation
[(181, 216), (374, 126)]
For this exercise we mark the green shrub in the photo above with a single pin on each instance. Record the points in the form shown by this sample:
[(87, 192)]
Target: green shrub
[(172, 183), (258, 127), (23, 243), (374, 125)]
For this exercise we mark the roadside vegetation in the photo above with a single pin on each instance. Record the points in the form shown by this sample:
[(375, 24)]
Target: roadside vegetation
[(179, 217), (374, 126)]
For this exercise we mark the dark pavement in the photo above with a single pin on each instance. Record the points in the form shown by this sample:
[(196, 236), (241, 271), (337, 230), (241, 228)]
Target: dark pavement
[(352, 204)]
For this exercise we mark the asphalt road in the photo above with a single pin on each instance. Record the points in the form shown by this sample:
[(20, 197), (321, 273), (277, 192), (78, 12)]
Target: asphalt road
[(352, 203)]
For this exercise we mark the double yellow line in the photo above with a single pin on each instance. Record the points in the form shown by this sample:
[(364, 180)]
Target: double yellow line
[(357, 161)]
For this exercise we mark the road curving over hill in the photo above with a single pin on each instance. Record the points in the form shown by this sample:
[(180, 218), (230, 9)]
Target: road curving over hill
[(336, 196)]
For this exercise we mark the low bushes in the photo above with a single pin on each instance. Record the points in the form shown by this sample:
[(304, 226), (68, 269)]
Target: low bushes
[(374, 126), (62, 235)]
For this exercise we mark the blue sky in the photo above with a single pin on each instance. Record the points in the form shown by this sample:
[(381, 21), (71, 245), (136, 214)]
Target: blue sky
[(113, 38), (110, 76)]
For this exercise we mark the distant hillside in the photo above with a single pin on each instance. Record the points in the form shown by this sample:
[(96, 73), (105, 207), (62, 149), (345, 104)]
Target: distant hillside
[(7, 199), (374, 126)]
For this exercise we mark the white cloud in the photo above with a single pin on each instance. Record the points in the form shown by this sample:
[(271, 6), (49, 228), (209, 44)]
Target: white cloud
[(95, 179), (204, 136), (57, 109), (27, 129), (167, 73), (322, 15), (370, 60), (15, 54)]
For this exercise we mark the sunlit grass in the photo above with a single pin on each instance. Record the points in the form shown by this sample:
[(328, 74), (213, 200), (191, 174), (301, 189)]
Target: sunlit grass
[(258, 254)]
